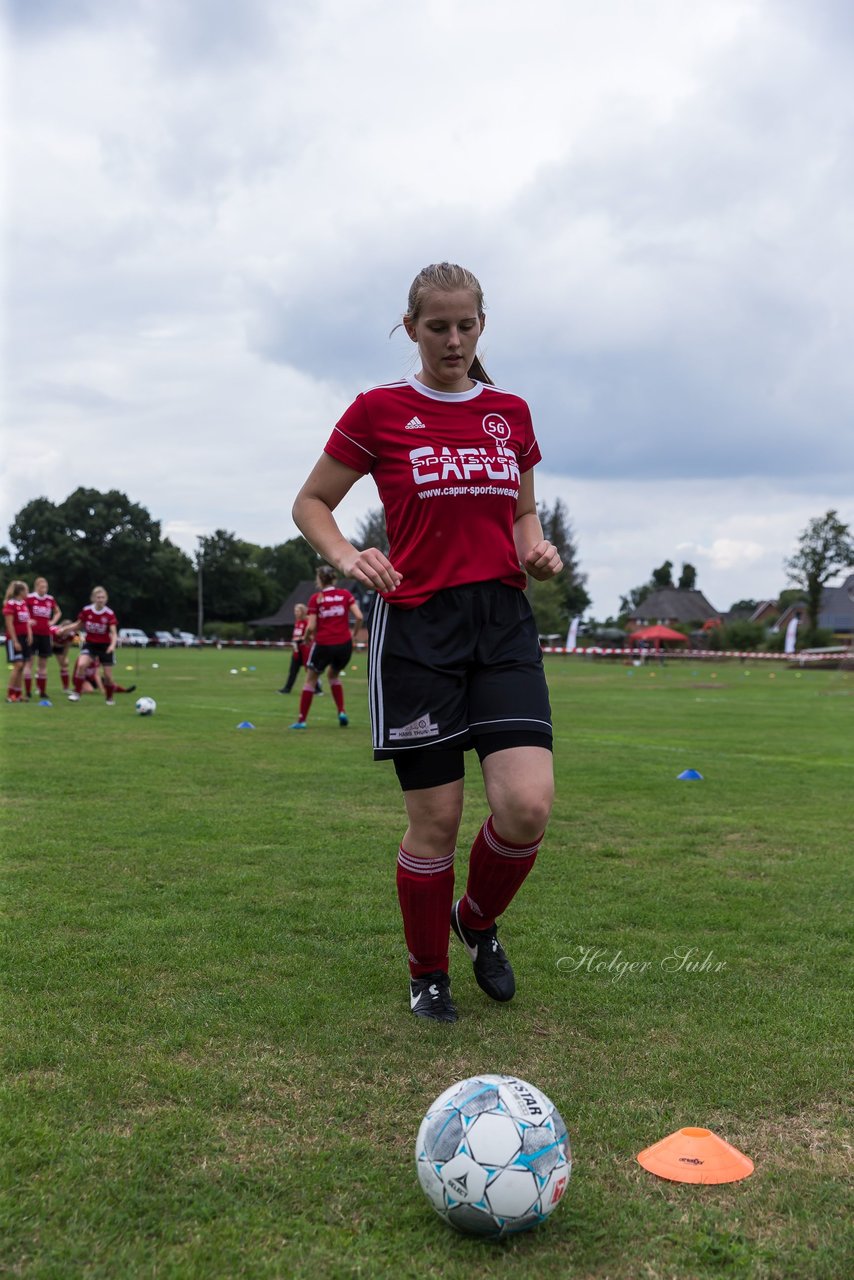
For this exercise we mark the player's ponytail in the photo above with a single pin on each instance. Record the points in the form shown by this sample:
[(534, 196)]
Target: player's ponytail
[(478, 373), (326, 575), (15, 588)]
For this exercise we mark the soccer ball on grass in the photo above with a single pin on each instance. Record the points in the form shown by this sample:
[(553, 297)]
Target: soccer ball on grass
[(145, 706), (493, 1156)]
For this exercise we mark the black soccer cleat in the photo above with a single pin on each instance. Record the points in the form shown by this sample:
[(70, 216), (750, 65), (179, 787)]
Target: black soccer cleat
[(430, 997), (492, 970)]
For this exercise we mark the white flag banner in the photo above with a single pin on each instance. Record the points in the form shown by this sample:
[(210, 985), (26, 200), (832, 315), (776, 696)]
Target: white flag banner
[(572, 634), (791, 635)]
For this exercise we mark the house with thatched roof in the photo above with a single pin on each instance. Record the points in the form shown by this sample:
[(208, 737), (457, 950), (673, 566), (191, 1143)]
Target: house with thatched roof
[(671, 606)]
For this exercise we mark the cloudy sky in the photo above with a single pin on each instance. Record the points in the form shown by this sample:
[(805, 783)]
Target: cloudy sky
[(216, 210)]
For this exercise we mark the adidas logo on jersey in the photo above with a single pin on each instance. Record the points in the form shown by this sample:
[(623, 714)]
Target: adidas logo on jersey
[(415, 424)]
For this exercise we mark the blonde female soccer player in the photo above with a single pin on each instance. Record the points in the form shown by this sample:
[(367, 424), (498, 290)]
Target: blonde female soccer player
[(455, 660), (99, 632)]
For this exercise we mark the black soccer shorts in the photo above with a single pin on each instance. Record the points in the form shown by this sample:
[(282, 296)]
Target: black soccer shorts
[(465, 663), (336, 656), (42, 645), (18, 655), (98, 651)]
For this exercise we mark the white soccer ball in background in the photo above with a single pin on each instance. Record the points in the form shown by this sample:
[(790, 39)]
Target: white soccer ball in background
[(145, 706), (493, 1156)]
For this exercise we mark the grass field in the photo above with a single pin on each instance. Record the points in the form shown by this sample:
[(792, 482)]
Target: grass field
[(210, 1067)]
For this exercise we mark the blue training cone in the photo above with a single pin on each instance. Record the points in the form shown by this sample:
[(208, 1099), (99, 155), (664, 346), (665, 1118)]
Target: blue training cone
[(246, 724), (690, 775), (45, 702)]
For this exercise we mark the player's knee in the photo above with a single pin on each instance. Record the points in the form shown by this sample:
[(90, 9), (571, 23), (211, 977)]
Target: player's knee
[(523, 815), (437, 829)]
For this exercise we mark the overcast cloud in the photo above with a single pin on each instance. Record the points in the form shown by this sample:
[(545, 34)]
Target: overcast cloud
[(216, 211)]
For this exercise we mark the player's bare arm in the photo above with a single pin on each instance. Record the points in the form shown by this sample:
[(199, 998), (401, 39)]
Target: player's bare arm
[(328, 484), (538, 557)]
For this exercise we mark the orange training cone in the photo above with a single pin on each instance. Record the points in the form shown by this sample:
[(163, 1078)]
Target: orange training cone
[(696, 1155)]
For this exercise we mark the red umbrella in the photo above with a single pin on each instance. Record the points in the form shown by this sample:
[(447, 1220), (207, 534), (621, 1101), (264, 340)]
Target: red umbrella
[(658, 635)]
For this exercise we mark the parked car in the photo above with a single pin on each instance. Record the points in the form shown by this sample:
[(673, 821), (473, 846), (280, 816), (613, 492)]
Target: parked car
[(185, 638), (133, 636), (164, 639)]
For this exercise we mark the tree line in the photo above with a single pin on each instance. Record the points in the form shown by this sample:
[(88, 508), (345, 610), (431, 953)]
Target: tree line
[(93, 538)]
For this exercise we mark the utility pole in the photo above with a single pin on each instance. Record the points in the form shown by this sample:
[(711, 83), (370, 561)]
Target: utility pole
[(200, 614)]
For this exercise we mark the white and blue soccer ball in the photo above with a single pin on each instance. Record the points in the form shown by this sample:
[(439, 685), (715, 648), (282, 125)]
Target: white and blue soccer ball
[(493, 1156), (145, 706)]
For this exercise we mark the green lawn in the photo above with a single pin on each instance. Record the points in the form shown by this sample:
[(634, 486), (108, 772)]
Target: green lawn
[(210, 1068)]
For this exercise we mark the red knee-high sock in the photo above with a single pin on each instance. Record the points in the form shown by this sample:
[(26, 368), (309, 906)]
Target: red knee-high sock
[(78, 684), (109, 690), (338, 693), (497, 869), (28, 685), (425, 890), (63, 675), (305, 702), (41, 684)]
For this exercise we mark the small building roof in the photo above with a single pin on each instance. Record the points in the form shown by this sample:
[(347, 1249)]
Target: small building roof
[(301, 594), (672, 604), (837, 607)]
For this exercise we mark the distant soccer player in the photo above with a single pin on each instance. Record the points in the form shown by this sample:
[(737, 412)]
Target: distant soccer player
[(45, 613), (19, 637), (93, 681), (61, 636), (454, 657), (330, 641), (300, 649), (99, 628)]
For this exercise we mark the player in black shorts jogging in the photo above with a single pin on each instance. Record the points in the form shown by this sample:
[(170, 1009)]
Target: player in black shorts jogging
[(454, 657)]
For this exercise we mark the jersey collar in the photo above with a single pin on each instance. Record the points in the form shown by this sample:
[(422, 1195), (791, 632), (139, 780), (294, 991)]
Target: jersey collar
[(452, 397)]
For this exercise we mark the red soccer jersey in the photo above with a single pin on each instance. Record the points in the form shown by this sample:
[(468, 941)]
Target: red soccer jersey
[(96, 623), (17, 609), (299, 630), (331, 607), (447, 467), (42, 609)]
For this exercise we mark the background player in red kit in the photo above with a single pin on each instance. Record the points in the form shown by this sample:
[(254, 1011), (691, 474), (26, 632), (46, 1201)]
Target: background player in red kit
[(61, 636), (99, 628), (329, 641), (298, 658), (455, 660), (45, 613), (92, 681), (19, 636), (300, 648)]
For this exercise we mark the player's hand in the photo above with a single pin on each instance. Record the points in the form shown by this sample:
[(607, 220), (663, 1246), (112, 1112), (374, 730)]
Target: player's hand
[(373, 569), (543, 562)]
